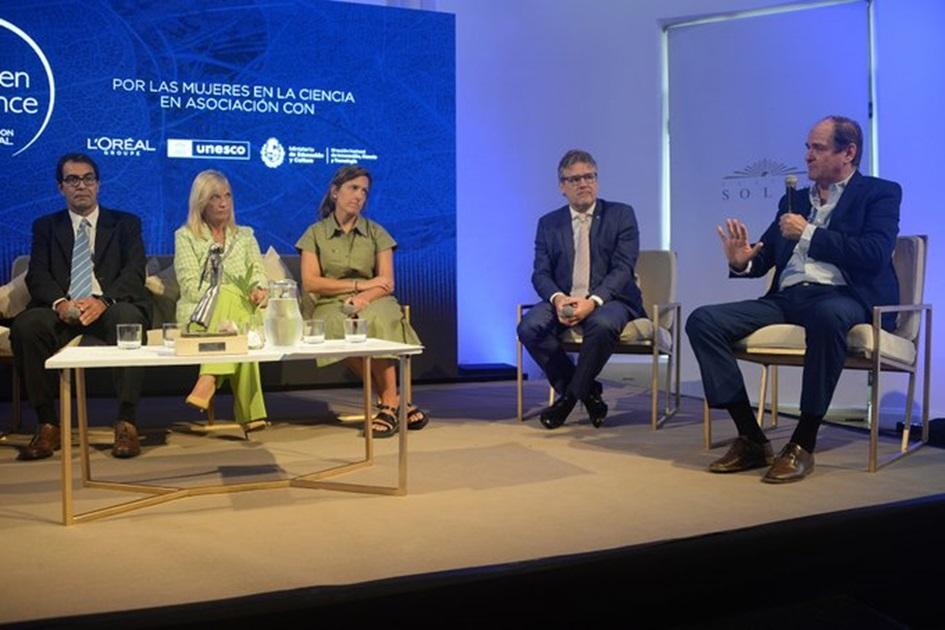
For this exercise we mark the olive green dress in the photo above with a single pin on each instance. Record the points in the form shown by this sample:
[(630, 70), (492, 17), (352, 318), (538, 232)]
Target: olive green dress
[(352, 256)]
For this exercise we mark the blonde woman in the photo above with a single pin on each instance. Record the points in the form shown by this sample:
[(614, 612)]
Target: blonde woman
[(348, 261), (210, 248)]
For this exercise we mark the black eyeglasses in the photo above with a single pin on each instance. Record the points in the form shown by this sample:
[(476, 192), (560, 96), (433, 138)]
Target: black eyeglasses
[(574, 180), (74, 180)]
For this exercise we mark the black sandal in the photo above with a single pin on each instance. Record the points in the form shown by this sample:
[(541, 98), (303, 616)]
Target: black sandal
[(416, 418), (386, 417)]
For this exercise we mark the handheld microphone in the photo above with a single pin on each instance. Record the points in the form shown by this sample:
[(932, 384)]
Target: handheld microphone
[(73, 314), (790, 183), (349, 309), (567, 310)]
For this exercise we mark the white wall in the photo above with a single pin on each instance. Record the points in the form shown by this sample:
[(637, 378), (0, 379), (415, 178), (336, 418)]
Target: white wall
[(537, 77), (911, 113)]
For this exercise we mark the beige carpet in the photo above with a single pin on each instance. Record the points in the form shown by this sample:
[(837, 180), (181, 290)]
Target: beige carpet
[(483, 489)]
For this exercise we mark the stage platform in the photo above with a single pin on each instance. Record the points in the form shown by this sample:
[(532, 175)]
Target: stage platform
[(504, 522)]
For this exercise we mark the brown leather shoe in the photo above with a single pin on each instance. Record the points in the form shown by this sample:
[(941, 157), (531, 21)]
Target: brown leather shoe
[(43, 443), (743, 455), (126, 440), (792, 464)]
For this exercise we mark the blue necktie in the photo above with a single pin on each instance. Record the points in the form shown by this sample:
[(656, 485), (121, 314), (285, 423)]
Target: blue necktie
[(80, 285)]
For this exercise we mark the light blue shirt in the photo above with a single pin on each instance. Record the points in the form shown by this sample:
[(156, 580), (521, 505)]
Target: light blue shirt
[(801, 267)]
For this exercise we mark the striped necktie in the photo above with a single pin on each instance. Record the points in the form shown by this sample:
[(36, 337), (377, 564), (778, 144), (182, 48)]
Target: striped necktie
[(581, 273), (80, 285)]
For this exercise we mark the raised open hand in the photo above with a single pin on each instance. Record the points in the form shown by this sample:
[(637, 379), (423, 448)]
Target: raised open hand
[(735, 244)]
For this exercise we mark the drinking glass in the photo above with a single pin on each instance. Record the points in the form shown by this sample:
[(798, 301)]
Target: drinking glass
[(129, 336), (171, 333), (356, 330), (313, 331)]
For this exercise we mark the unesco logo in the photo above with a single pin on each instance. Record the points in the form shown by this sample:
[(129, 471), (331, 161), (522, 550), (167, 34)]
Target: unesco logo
[(207, 149), (272, 153), (27, 90)]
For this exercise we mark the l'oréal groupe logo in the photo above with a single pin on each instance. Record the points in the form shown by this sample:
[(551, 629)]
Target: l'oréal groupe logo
[(109, 145)]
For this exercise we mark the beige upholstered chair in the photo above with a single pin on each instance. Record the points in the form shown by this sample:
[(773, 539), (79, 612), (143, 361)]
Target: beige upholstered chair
[(14, 303), (783, 344), (655, 335)]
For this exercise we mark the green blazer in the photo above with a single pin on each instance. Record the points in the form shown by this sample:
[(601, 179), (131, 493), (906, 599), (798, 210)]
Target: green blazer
[(242, 265)]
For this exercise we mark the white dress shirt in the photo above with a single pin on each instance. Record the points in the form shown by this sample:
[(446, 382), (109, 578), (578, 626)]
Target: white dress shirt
[(76, 219), (575, 221)]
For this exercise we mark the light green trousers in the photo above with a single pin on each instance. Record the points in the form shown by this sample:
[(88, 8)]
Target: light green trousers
[(248, 402)]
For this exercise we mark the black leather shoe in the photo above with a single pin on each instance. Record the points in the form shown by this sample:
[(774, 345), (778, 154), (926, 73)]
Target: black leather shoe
[(743, 455), (792, 464), (554, 416), (596, 408), (126, 440), (43, 443)]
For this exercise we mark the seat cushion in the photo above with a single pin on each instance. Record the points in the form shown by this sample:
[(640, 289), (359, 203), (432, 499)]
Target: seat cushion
[(638, 331), (5, 349), (789, 339), (14, 296), (165, 292)]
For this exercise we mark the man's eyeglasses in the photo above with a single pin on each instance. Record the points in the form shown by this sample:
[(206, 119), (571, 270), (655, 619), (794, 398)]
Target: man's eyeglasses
[(574, 180), (74, 180)]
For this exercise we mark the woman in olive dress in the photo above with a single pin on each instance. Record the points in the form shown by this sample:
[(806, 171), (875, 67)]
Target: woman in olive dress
[(348, 263)]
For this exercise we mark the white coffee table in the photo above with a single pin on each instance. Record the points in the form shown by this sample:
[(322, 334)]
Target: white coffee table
[(79, 358)]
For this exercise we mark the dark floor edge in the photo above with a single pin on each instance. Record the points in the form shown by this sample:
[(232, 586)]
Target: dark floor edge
[(868, 555)]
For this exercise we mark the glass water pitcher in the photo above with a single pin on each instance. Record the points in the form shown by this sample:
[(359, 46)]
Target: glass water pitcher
[(283, 317)]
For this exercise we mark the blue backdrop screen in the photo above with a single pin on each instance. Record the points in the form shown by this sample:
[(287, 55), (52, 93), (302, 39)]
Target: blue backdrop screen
[(276, 95)]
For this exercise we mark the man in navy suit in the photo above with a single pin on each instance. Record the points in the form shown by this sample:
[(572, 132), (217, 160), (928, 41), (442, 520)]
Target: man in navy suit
[(86, 276), (585, 253), (831, 247)]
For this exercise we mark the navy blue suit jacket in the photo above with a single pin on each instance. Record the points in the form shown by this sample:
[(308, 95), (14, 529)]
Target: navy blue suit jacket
[(859, 240), (615, 245), (119, 258)]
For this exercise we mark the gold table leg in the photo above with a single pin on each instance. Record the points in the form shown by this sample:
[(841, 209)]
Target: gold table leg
[(65, 424), (163, 494)]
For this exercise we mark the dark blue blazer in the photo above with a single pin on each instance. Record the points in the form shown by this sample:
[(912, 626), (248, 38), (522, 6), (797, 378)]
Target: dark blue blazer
[(859, 240), (119, 258), (615, 245)]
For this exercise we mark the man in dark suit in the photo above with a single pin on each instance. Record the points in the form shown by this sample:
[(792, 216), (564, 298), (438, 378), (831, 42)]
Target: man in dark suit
[(585, 253), (86, 276), (831, 247)]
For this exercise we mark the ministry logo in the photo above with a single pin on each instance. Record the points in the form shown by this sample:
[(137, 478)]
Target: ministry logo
[(272, 153), (27, 90)]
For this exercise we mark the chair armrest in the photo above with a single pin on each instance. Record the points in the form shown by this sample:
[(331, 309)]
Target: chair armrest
[(900, 308), (879, 311), (658, 309)]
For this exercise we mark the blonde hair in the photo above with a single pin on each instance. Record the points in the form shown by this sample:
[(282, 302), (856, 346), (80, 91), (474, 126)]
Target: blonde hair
[(205, 184)]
